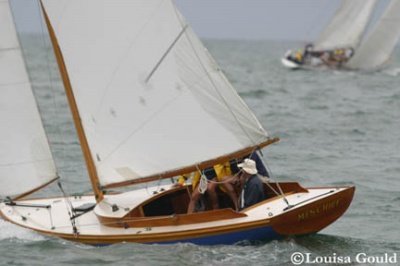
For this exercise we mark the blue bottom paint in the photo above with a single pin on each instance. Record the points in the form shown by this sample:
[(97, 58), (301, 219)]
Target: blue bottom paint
[(257, 234)]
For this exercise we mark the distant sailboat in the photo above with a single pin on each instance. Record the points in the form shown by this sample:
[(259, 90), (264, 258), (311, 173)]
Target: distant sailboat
[(148, 103), (340, 45)]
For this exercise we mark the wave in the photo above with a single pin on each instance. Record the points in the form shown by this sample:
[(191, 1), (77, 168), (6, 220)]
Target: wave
[(394, 72), (11, 232)]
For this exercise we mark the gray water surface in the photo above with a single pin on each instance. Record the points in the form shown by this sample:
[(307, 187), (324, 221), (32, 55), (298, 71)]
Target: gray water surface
[(335, 128)]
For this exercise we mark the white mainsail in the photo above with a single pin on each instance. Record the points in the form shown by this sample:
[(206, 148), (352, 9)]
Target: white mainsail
[(380, 43), (347, 26), (25, 159), (150, 97)]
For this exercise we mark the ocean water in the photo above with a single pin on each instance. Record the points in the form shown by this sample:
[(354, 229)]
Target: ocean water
[(335, 128)]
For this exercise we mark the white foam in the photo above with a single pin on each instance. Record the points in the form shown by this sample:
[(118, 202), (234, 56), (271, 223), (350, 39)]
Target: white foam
[(11, 231), (392, 71)]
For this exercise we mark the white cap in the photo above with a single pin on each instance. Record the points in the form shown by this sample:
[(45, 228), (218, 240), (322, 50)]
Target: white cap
[(249, 166)]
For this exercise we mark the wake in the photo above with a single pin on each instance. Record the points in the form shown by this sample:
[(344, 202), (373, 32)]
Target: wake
[(9, 231)]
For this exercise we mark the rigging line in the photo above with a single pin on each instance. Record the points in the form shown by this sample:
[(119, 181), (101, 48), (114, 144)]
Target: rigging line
[(60, 15), (33, 92), (165, 54), (199, 79), (50, 81), (269, 185), (211, 79), (272, 177), (71, 210), (124, 56), (66, 198), (301, 202)]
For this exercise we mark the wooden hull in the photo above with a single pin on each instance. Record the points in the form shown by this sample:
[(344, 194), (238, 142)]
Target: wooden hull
[(314, 216), (312, 211)]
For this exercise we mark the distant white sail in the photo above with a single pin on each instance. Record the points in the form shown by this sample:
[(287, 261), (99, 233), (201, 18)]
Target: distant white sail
[(150, 96), (25, 159), (347, 26), (380, 43)]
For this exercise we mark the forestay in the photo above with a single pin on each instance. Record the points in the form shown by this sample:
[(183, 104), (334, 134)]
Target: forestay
[(150, 96), (378, 47), (347, 26), (25, 159)]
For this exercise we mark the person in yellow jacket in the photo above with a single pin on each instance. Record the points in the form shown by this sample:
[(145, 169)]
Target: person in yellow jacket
[(195, 176), (221, 171), (298, 56)]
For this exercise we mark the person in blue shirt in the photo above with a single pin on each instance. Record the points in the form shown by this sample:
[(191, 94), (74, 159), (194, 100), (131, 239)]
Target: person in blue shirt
[(252, 189)]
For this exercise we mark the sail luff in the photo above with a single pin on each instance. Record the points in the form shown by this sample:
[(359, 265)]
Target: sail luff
[(216, 88), (380, 43), (195, 167), (91, 168), (347, 26), (26, 162), (25, 194), (192, 40)]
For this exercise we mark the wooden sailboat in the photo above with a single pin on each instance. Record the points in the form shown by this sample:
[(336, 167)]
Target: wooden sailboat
[(149, 103), (371, 53)]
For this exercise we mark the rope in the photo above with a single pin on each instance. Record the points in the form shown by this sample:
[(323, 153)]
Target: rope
[(51, 83), (266, 181), (51, 218), (225, 180), (70, 210), (271, 177)]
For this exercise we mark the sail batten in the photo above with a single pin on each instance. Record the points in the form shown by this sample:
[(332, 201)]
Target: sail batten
[(26, 163), (166, 53), (10, 49), (138, 126)]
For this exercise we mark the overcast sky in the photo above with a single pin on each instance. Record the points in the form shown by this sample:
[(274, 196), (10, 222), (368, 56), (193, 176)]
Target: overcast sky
[(230, 19)]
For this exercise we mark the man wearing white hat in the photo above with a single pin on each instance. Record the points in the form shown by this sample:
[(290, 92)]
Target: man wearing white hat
[(252, 188)]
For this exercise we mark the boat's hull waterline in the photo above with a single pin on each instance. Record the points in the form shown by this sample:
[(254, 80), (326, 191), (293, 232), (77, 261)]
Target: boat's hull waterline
[(309, 211), (289, 64)]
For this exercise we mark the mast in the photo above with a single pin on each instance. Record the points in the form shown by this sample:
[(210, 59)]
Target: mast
[(90, 166)]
